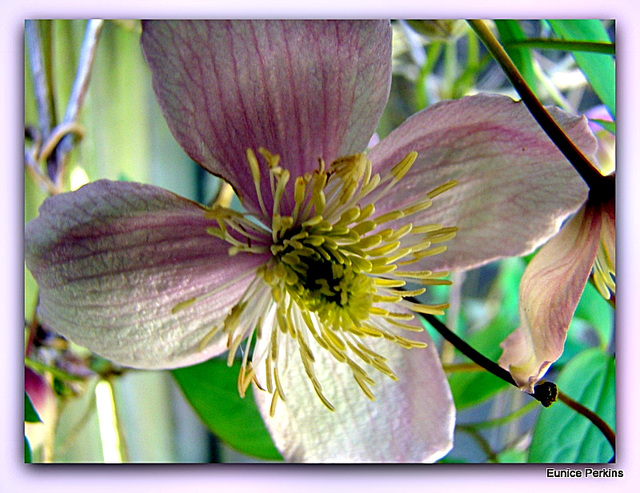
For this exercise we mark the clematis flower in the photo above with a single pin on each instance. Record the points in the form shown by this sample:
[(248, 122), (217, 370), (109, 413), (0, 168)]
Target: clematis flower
[(310, 285), (554, 280)]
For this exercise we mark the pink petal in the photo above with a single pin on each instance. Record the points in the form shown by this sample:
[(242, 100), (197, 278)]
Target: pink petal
[(550, 289), (113, 259), (301, 89), (411, 420), (514, 187), (44, 402)]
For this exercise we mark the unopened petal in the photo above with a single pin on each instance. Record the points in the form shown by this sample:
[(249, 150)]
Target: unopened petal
[(114, 259), (410, 420), (549, 293), (514, 186), (301, 89)]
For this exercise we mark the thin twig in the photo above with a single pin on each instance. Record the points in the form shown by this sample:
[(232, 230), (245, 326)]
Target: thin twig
[(468, 351), (34, 170), (59, 133), (580, 162), (79, 90), (40, 85)]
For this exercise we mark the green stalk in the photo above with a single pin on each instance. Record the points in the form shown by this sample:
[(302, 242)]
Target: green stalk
[(561, 45)]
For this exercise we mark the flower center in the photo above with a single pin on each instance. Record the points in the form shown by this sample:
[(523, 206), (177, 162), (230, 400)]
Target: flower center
[(337, 272)]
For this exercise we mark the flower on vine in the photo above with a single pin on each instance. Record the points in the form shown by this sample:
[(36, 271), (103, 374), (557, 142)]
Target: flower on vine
[(554, 280), (313, 285)]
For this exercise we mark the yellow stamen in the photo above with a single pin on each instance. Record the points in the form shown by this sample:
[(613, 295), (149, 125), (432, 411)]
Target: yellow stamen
[(333, 276)]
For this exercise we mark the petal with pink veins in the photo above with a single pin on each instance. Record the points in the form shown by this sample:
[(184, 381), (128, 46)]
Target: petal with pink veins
[(514, 186), (550, 289), (301, 89), (113, 259)]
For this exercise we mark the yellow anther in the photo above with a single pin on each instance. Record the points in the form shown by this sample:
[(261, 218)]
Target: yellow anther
[(348, 217), (427, 228), (401, 169), (371, 186), (366, 211), (314, 221), (369, 242), (399, 233), (182, 305), (364, 227), (443, 234), (283, 179), (415, 274), (389, 216), (273, 160), (427, 309), (389, 283), (431, 251), (405, 294), (420, 206), (253, 164), (442, 188), (384, 249)]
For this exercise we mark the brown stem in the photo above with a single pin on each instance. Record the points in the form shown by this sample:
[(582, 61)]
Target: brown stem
[(591, 416), (545, 392), (580, 162)]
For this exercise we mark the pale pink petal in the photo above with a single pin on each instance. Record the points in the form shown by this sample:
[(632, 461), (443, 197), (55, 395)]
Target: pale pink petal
[(514, 186), (550, 289), (411, 420), (44, 402), (113, 258), (301, 89)]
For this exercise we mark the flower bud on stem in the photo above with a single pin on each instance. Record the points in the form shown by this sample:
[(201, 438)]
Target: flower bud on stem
[(545, 392)]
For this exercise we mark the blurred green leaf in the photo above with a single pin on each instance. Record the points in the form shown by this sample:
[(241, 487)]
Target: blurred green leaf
[(599, 69), (472, 388), (28, 458), (563, 436), (30, 413), (594, 310), (511, 32), (607, 125), (212, 390), (512, 456)]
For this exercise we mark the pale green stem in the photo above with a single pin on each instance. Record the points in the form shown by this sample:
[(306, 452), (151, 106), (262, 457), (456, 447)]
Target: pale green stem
[(556, 44)]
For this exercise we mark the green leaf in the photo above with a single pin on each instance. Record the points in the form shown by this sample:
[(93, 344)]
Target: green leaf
[(510, 32), (563, 436), (594, 310), (607, 125), (470, 388), (212, 390), (512, 456), (30, 413), (28, 456), (599, 69)]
